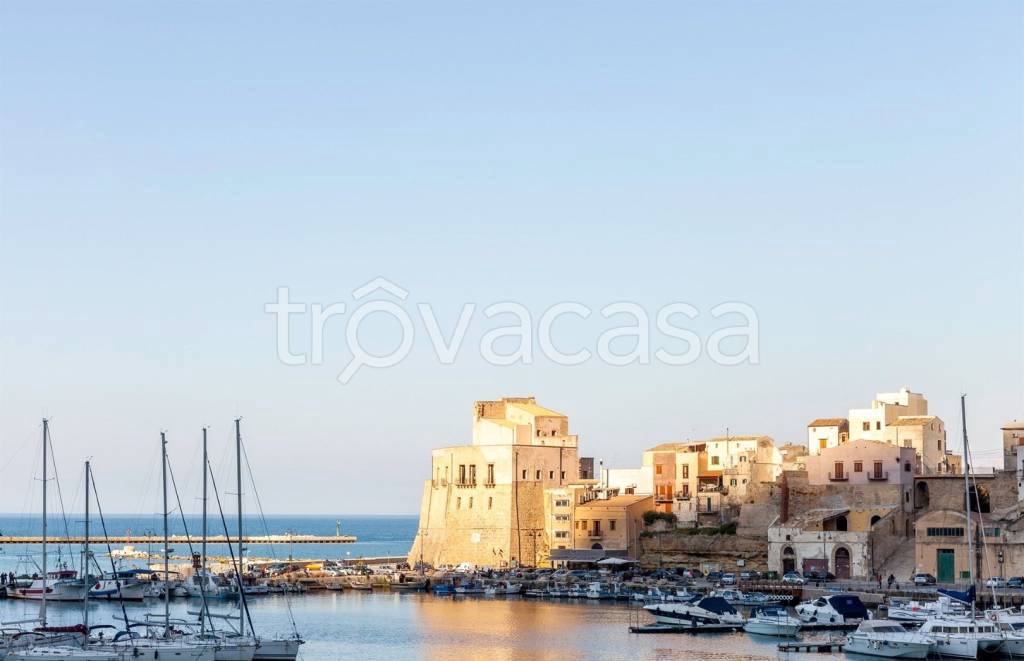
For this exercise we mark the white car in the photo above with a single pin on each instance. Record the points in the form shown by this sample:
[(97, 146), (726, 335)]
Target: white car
[(995, 583), (793, 578)]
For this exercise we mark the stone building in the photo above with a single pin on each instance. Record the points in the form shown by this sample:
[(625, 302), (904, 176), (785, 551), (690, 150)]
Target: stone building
[(826, 433), (611, 524), (706, 482), (485, 503)]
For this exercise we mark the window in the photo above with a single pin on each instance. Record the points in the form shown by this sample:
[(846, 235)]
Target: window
[(458, 503), (471, 502), (743, 457), (551, 475), (991, 532), (945, 532), (524, 473), (561, 503), (878, 424), (838, 468), (561, 534), (563, 475), (878, 470), (714, 460), (611, 524), (858, 467), (462, 473), (472, 474), (732, 482), (685, 470), (657, 469), (867, 426), (490, 473), (939, 443), (822, 443), (490, 502), (906, 467), (686, 491), (538, 474)]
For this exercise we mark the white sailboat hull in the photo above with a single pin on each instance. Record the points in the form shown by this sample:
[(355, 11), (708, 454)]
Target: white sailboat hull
[(277, 650)]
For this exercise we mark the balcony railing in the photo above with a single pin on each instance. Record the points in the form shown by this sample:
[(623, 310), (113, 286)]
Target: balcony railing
[(489, 484), (841, 477), (595, 534), (879, 477), (663, 498), (682, 495), (465, 483)]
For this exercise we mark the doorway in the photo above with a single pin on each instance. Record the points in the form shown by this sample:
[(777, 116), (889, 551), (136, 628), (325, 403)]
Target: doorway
[(842, 562), (945, 562)]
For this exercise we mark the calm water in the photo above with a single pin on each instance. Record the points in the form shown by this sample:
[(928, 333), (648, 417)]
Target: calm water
[(378, 535), (385, 625)]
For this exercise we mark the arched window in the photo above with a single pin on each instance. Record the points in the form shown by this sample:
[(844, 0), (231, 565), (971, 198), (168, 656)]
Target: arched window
[(841, 524), (875, 519), (597, 547), (842, 562)]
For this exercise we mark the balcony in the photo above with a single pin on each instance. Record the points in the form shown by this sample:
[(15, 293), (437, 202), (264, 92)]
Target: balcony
[(682, 495), (840, 477), (489, 485), (462, 484), (663, 498), (879, 477), (595, 534)]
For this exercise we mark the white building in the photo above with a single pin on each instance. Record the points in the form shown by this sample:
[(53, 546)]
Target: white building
[(825, 433), (886, 408)]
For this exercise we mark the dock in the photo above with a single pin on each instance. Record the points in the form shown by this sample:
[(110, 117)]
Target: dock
[(679, 628), (813, 646), (183, 539)]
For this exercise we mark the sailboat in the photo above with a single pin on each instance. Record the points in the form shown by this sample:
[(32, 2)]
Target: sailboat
[(59, 585), (964, 637)]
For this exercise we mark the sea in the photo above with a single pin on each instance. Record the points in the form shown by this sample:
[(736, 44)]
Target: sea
[(386, 625)]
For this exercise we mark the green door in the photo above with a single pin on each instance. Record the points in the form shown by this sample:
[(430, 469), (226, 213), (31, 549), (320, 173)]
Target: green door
[(944, 560)]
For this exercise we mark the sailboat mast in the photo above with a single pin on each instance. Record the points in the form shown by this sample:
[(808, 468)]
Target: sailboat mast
[(241, 562), (46, 442), (85, 561), (167, 568), (202, 583), (967, 494)]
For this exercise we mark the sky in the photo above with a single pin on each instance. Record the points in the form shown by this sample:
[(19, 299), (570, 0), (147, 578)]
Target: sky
[(850, 173)]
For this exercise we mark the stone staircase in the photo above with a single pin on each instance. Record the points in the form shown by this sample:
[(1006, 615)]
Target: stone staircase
[(900, 564)]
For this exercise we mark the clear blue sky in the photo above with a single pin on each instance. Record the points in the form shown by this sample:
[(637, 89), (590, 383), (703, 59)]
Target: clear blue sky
[(852, 171)]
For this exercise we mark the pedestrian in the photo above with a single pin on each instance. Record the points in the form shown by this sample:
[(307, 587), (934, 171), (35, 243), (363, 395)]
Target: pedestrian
[(892, 579)]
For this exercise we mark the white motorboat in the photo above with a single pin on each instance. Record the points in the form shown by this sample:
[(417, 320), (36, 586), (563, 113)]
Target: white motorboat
[(887, 638), (709, 611), (206, 583), (503, 588), (1011, 625), (834, 609), (61, 585), (919, 611), (962, 637), (772, 621), (598, 590), (121, 585)]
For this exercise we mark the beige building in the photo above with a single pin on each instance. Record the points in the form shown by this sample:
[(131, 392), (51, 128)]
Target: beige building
[(611, 524), (1013, 439), (871, 423), (486, 503), (707, 481), (826, 433), (864, 462)]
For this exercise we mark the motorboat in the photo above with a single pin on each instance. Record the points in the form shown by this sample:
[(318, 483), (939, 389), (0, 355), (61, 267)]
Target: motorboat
[(739, 598), (919, 611), (444, 589), (834, 609), (599, 590), (503, 588), (60, 585), (409, 585), (205, 583), (963, 638), (709, 611), (772, 621), (887, 638), (469, 588), (1011, 625), (123, 585)]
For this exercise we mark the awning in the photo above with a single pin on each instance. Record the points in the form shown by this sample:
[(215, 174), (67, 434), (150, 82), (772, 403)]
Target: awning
[(615, 561), (586, 555)]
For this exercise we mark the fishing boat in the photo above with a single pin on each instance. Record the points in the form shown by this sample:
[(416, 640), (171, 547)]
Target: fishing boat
[(444, 589), (709, 611), (503, 589), (833, 609), (405, 584), (469, 588), (771, 621), (121, 585), (887, 638), (598, 590), (60, 585)]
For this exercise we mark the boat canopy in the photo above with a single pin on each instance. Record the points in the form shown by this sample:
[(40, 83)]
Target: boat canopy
[(768, 611), (716, 605), (965, 597), (848, 605)]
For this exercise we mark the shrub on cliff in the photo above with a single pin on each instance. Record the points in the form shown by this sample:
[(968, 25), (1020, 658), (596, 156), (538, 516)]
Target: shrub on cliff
[(651, 517)]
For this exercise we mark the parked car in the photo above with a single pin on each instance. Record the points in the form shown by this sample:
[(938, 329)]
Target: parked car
[(729, 579), (750, 575), (995, 582), (714, 576), (1015, 582), (693, 573), (819, 575), (924, 579), (793, 578)]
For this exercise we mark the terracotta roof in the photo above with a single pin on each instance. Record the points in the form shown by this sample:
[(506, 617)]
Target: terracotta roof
[(828, 422), (913, 420)]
